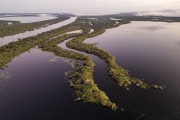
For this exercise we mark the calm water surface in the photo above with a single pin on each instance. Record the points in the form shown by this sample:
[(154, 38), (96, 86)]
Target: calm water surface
[(151, 51), (38, 89), (8, 39)]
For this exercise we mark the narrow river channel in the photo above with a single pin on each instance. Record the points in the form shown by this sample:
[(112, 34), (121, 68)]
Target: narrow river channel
[(8, 39)]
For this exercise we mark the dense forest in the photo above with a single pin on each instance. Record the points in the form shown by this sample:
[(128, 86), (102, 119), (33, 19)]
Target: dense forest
[(17, 27), (81, 79)]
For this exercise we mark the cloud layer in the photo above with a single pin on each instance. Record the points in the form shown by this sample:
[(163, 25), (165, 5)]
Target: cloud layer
[(86, 6)]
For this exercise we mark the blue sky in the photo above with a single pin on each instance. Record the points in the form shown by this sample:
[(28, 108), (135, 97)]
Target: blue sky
[(86, 6)]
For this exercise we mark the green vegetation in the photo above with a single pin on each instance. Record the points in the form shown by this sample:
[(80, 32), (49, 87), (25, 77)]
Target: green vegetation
[(118, 73), (13, 49), (5, 23), (84, 85), (82, 78), (135, 18), (17, 27)]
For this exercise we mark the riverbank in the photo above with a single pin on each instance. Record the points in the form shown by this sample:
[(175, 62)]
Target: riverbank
[(119, 74), (82, 77), (17, 27)]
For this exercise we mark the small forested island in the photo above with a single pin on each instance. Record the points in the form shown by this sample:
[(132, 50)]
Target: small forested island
[(81, 79)]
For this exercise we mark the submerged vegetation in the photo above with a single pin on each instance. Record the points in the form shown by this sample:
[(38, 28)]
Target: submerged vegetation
[(17, 27), (81, 79)]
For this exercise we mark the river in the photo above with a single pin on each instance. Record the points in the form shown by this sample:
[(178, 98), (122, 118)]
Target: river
[(37, 88), (8, 39), (150, 51)]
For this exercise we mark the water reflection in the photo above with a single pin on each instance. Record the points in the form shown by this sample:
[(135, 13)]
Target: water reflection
[(149, 51), (40, 91), (153, 28), (37, 85), (8, 39), (3, 77)]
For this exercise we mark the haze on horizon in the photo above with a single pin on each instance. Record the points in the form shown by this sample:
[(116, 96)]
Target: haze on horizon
[(86, 6)]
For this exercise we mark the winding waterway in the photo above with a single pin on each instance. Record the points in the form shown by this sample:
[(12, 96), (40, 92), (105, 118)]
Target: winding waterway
[(8, 39), (149, 50), (38, 89)]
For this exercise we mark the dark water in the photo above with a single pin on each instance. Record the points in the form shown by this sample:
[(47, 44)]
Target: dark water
[(150, 51), (38, 89)]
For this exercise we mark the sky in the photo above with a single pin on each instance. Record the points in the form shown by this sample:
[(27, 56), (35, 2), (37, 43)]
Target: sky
[(85, 6)]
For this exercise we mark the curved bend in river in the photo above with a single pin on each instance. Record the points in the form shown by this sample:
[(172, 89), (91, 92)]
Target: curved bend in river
[(82, 78), (119, 74), (36, 28)]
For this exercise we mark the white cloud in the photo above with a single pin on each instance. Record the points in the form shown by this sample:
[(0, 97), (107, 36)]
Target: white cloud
[(172, 5), (85, 6)]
